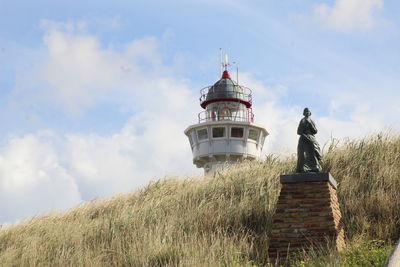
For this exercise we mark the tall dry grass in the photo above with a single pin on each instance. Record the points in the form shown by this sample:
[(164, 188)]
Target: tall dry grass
[(210, 221), (368, 172)]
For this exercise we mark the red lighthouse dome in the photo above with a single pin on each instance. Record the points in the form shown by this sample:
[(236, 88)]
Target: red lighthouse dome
[(225, 90)]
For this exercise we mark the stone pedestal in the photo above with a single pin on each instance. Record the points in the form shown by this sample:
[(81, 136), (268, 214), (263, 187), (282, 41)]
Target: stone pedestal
[(307, 215)]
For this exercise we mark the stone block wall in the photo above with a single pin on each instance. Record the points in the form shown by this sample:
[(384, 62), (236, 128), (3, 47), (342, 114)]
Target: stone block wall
[(307, 215)]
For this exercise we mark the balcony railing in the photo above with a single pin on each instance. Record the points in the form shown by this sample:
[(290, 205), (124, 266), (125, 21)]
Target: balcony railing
[(246, 116)]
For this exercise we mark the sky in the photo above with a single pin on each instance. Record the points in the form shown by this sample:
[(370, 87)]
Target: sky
[(95, 95)]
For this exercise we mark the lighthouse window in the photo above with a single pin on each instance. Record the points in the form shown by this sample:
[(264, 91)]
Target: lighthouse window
[(237, 132), (224, 114), (202, 134), (253, 134), (218, 132)]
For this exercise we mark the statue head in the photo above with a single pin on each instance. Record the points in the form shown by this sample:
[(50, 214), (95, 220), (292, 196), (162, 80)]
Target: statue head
[(307, 112)]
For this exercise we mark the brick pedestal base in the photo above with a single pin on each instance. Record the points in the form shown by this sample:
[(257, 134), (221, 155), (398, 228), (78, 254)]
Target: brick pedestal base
[(307, 214)]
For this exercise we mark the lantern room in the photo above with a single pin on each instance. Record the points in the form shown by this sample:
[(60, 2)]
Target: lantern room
[(225, 132)]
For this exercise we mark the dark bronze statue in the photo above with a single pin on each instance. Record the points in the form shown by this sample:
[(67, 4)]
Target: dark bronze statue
[(308, 151)]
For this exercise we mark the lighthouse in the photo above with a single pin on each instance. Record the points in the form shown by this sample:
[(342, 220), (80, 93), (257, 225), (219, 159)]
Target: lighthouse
[(225, 132)]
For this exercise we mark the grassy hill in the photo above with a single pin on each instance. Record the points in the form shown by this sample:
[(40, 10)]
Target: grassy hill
[(218, 221)]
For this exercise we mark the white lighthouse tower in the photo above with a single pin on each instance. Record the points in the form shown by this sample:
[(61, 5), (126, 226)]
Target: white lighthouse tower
[(225, 132)]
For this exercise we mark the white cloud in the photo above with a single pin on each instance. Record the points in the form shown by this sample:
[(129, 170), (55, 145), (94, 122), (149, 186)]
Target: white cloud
[(44, 171), (280, 122), (32, 180), (348, 15), (348, 116), (80, 73), (148, 147), (47, 170)]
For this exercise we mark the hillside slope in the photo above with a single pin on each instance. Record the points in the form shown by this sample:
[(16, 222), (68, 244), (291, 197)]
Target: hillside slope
[(209, 221)]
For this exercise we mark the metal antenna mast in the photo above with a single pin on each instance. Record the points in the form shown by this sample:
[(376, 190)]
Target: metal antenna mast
[(220, 62)]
